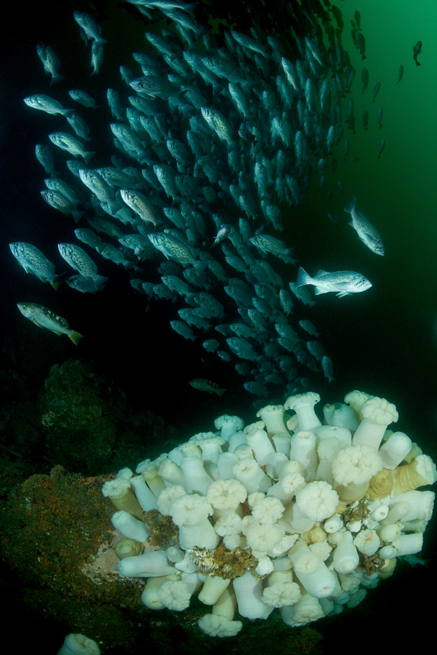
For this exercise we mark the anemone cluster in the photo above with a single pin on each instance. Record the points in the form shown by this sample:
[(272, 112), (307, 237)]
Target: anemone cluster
[(284, 513), (217, 135)]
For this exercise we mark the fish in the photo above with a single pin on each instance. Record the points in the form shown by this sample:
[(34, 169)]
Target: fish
[(376, 90), (328, 368), (50, 61), (85, 284), (381, 148), (268, 244), (47, 104), (97, 184), (90, 28), (140, 205), (62, 203), (206, 385), (215, 139), (70, 144), (365, 230), (342, 283), (401, 74), (83, 98), (417, 49), (33, 261), (173, 248), (80, 261), (45, 318), (380, 114)]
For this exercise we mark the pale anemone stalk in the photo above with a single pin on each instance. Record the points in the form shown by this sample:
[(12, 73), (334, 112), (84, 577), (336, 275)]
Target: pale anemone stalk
[(259, 441), (121, 496), (77, 644), (408, 544), (377, 414), (150, 594), (190, 513), (304, 450), (286, 487), (345, 557), (281, 590), (326, 451), (148, 565), (307, 609), (196, 478), (352, 469), (210, 445), (171, 473), (228, 425), (129, 526), (149, 470), (420, 505), (251, 475), (145, 496), (355, 400), (220, 622), (311, 572), (248, 591), (303, 405), (395, 449), (273, 417), (420, 472), (212, 589), (340, 415)]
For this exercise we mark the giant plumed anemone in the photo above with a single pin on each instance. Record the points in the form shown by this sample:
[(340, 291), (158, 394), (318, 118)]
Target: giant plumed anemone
[(305, 529)]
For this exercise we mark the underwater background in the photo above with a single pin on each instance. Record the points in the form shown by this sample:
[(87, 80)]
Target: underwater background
[(383, 341)]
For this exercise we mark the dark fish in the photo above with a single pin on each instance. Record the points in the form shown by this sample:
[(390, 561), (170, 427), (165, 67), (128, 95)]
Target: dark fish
[(416, 51), (206, 385), (380, 113), (357, 16), (401, 74), (381, 148), (361, 44), (376, 89)]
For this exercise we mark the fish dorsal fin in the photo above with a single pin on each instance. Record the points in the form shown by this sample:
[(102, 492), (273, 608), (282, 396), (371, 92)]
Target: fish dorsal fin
[(321, 273)]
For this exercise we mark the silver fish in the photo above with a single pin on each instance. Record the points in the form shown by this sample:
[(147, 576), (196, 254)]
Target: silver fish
[(365, 230), (50, 61), (47, 104), (90, 27), (140, 205), (342, 283), (72, 145)]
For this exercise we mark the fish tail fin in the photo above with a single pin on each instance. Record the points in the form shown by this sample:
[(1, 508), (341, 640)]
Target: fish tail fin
[(56, 78), (88, 155), (350, 205), (302, 278), (77, 215), (56, 284), (220, 392), (75, 337)]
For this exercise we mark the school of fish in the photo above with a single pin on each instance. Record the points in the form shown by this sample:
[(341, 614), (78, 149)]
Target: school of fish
[(216, 138)]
